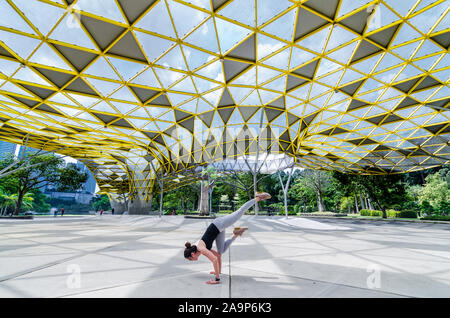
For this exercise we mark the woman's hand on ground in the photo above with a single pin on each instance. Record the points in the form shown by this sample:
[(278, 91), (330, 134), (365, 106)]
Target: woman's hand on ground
[(212, 282)]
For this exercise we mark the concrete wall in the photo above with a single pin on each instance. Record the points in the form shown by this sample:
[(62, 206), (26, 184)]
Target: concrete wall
[(83, 198)]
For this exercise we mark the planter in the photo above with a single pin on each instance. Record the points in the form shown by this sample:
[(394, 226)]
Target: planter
[(18, 217), (322, 214), (198, 217)]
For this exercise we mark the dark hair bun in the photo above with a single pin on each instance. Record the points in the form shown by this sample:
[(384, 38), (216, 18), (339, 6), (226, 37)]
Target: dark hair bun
[(188, 245)]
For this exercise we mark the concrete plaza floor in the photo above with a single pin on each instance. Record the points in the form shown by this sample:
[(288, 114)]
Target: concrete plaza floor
[(142, 256)]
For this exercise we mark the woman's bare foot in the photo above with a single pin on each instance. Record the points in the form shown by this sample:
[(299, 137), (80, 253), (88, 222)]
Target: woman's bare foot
[(239, 230), (262, 196), (214, 273)]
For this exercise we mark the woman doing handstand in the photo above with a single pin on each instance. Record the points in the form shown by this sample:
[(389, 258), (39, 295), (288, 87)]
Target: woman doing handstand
[(216, 232)]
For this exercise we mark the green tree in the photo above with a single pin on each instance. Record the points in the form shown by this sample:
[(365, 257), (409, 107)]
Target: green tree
[(244, 184), (426, 208), (9, 164), (334, 195), (316, 181), (7, 201), (226, 186), (347, 204), (27, 200), (271, 184), (302, 193), (180, 198), (444, 207), (385, 190), (40, 201), (42, 170), (171, 201), (70, 178), (101, 202), (224, 202), (435, 191), (419, 177), (11, 200)]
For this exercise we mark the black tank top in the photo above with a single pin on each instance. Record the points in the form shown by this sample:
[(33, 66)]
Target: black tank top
[(210, 235)]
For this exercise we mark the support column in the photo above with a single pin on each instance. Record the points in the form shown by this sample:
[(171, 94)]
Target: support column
[(150, 203), (210, 194), (119, 206), (255, 173), (139, 206), (161, 188), (286, 188)]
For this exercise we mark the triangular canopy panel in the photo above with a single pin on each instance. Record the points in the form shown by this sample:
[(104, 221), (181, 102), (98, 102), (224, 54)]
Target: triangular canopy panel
[(135, 87)]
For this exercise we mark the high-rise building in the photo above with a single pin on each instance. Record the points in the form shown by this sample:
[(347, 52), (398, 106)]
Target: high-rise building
[(6, 148), (89, 185)]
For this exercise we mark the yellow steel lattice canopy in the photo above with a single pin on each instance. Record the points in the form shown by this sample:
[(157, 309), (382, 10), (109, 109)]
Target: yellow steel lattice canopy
[(130, 87)]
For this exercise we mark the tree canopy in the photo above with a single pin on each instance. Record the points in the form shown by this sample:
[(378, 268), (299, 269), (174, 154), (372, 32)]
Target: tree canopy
[(38, 171)]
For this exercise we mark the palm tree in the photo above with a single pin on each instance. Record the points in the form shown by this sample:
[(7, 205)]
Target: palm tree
[(6, 201), (10, 200)]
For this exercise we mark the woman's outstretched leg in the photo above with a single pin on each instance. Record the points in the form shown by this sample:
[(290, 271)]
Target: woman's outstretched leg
[(225, 221), (222, 244)]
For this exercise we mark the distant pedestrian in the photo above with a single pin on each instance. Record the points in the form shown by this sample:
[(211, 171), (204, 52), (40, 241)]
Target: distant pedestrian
[(112, 211), (55, 212), (62, 211), (101, 211)]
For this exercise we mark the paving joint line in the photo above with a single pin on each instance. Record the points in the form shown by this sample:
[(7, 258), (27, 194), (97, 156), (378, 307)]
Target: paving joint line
[(331, 283), (229, 273), (125, 284), (36, 269)]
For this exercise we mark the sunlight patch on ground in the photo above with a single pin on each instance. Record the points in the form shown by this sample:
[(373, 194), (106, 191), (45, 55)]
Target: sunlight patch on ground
[(309, 224)]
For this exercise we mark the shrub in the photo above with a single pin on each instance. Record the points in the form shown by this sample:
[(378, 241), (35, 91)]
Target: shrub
[(365, 212), (377, 213), (411, 214), (426, 208), (436, 217), (392, 213), (277, 207), (444, 207), (408, 214), (225, 211), (290, 212), (411, 205)]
